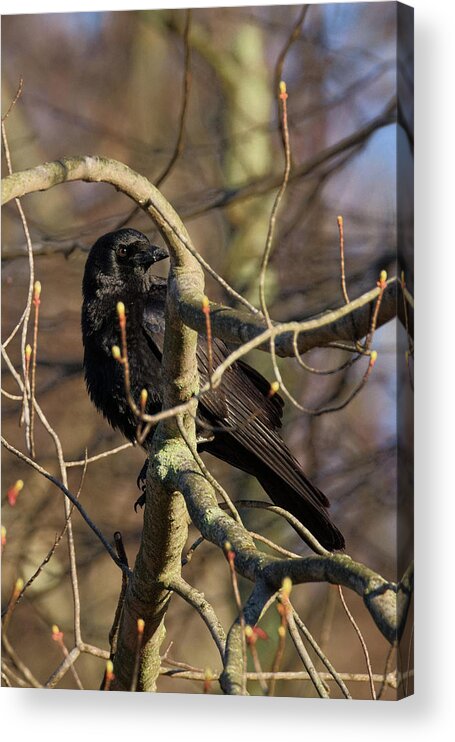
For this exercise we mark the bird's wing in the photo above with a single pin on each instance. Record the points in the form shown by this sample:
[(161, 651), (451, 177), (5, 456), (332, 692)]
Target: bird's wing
[(153, 321), (242, 406)]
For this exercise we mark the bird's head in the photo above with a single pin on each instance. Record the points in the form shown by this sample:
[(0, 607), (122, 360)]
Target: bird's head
[(121, 258)]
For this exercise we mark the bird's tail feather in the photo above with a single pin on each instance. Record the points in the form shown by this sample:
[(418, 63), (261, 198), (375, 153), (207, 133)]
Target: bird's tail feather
[(314, 518), (304, 501)]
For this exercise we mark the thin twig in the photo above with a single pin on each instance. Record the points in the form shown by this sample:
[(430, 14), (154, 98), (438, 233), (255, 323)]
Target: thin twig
[(15, 99), (70, 497), (351, 677), (318, 650), (317, 681), (63, 668), (178, 149), (342, 269), (294, 35), (18, 586), (9, 650), (36, 304), (388, 663), (137, 658), (278, 658), (98, 456), (274, 546), (322, 372), (14, 397), (283, 597), (25, 415), (273, 215), (362, 642), (251, 637), (57, 636), (208, 332), (381, 284), (303, 532)]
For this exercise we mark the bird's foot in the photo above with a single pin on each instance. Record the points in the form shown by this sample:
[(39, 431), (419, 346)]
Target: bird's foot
[(140, 502), (141, 483)]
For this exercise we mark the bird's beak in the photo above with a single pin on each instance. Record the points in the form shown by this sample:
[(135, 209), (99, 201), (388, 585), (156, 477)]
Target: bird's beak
[(161, 253), (149, 254)]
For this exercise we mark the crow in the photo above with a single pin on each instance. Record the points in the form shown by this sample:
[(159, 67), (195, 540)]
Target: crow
[(244, 418)]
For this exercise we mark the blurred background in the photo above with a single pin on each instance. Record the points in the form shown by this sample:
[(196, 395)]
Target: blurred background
[(112, 84)]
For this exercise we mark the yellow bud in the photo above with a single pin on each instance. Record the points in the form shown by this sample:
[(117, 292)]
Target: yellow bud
[(205, 302), (373, 356), (121, 309), (109, 667), (19, 485), (116, 352), (19, 585), (140, 625), (274, 387), (383, 276), (340, 221), (37, 289), (286, 586), (28, 351), (282, 87), (3, 534), (281, 632), (144, 396), (55, 629), (248, 631), (208, 674), (227, 546)]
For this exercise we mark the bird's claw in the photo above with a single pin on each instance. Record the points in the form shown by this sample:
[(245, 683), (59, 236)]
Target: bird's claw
[(140, 502), (141, 483)]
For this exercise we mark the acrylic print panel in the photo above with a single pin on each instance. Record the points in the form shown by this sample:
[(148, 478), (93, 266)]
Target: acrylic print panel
[(268, 151)]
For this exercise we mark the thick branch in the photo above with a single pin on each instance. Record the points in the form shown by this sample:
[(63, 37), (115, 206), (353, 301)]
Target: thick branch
[(379, 595), (348, 322)]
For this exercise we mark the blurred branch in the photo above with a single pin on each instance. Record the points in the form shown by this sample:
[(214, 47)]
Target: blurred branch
[(261, 186), (295, 33), (178, 149), (224, 197)]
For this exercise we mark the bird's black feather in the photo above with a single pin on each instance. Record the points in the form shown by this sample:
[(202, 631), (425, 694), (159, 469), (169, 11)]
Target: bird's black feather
[(244, 418)]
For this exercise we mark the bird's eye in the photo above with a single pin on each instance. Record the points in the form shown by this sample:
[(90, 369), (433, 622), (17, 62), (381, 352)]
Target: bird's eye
[(122, 251)]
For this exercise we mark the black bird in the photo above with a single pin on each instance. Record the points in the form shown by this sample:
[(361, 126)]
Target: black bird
[(244, 417)]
